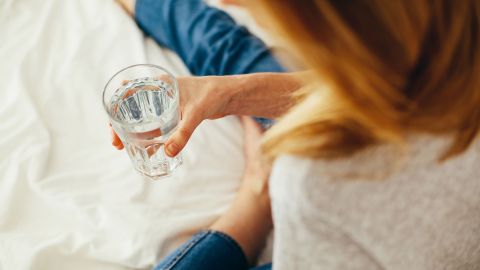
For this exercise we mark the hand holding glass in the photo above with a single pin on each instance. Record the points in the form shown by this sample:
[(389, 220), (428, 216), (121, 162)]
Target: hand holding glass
[(142, 102)]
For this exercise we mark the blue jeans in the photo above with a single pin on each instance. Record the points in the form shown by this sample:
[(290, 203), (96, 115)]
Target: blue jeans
[(210, 43), (207, 39), (208, 250)]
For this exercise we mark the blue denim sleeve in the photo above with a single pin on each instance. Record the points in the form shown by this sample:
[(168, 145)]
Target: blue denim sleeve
[(207, 39)]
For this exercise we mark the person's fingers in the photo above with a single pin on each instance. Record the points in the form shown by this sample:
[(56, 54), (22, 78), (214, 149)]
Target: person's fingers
[(118, 146), (252, 137), (251, 126), (116, 142), (180, 137)]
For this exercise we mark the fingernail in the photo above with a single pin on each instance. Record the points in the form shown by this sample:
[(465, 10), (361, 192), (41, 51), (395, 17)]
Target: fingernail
[(172, 149)]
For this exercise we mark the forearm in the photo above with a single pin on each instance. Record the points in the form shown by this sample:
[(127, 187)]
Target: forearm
[(267, 95)]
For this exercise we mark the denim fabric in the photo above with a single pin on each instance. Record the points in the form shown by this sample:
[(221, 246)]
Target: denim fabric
[(207, 250), (263, 267), (207, 39)]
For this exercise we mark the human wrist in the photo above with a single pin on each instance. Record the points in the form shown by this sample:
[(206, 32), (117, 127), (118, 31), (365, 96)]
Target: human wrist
[(267, 95), (239, 86)]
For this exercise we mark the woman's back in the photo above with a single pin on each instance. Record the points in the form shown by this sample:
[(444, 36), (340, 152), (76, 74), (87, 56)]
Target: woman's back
[(380, 209)]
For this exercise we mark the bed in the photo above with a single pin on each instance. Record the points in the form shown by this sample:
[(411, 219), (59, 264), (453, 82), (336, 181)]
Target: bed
[(68, 199)]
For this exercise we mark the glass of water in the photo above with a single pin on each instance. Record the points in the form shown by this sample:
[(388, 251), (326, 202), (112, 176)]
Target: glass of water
[(142, 102)]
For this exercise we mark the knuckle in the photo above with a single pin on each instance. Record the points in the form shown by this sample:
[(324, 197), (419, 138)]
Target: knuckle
[(184, 133)]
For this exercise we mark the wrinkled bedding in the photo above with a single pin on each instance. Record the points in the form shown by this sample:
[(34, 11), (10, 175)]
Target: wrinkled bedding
[(68, 200)]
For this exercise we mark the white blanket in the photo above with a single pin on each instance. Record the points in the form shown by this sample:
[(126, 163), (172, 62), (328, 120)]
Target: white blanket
[(68, 199)]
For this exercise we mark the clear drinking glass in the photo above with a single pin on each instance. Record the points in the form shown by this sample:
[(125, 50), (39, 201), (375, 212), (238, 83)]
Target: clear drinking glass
[(142, 102)]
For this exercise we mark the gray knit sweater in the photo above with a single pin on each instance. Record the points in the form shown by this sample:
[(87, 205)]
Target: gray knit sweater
[(383, 208)]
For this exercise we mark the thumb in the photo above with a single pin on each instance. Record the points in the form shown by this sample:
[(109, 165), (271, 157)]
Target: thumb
[(180, 137)]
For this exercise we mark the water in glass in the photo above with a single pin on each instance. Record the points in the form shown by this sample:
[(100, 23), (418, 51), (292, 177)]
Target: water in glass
[(145, 113)]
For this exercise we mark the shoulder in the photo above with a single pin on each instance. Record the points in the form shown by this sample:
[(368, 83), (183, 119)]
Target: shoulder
[(372, 163), (375, 163), (330, 205), (377, 170)]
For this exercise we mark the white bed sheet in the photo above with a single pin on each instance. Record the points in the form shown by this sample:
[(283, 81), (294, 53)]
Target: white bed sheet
[(68, 200)]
